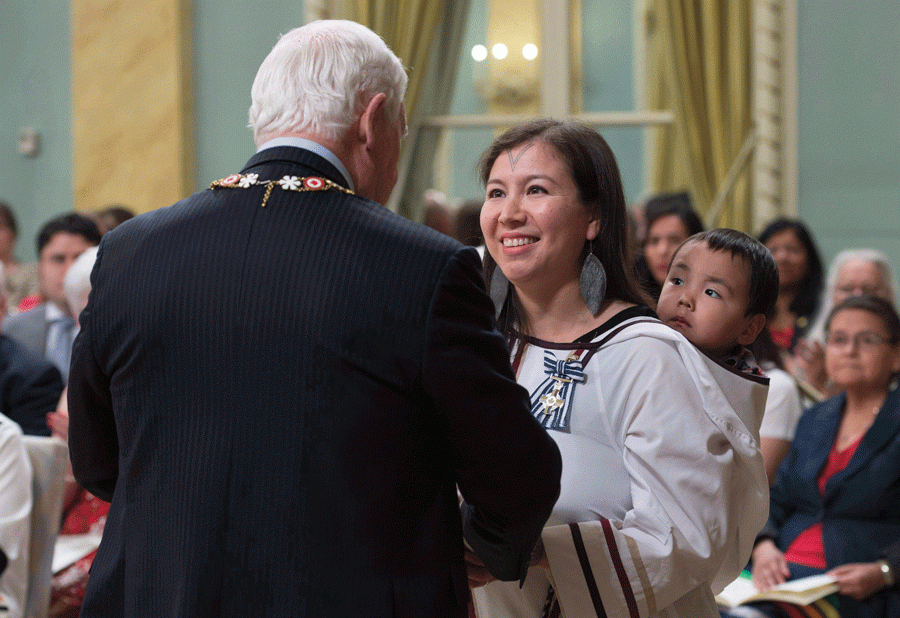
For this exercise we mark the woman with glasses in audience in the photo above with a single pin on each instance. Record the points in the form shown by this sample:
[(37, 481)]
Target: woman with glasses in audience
[(854, 272), (835, 503)]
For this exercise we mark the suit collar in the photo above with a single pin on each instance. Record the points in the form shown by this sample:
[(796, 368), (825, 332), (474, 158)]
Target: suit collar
[(295, 156), (882, 431)]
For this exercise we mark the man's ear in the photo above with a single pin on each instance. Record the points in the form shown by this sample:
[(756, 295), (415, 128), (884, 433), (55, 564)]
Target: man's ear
[(752, 329), (368, 119)]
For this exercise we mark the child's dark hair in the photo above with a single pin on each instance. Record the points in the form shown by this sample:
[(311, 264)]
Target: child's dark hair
[(763, 290)]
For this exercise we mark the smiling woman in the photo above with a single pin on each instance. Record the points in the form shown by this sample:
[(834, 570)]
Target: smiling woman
[(622, 395)]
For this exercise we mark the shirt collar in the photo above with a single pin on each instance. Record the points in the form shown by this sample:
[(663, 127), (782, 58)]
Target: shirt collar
[(314, 147), (53, 312)]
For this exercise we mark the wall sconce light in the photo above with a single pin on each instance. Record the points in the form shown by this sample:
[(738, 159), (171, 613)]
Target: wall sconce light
[(509, 82)]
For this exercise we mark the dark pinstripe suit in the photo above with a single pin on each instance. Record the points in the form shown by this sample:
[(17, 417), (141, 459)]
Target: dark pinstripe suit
[(280, 402)]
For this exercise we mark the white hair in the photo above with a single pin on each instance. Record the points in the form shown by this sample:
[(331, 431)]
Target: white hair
[(318, 79), (876, 257), (77, 282)]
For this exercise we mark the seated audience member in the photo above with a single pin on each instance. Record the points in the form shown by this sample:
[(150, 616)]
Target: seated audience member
[(783, 404), (436, 213), (82, 513), (468, 224), (854, 272), (49, 329), (77, 282), (111, 216), (835, 504), (29, 385), (670, 220), (20, 280), (15, 516), (800, 278)]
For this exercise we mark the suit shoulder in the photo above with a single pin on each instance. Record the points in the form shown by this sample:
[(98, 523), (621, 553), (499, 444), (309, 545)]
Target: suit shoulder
[(35, 314), (405, 230), (18, 357)]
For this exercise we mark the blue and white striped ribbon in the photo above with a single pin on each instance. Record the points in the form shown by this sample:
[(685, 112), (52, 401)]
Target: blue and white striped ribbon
[(551, 402)]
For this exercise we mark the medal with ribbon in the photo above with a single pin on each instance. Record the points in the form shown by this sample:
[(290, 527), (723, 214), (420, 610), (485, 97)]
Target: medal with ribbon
[(551, 402)]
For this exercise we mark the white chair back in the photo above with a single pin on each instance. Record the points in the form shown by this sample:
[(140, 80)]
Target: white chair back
[(48, 458)]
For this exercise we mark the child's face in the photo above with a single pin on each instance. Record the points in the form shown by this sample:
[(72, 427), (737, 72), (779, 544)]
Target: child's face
[(705, 298)]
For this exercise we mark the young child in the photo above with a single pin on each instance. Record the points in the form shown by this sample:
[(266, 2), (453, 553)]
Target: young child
[(720, 289)]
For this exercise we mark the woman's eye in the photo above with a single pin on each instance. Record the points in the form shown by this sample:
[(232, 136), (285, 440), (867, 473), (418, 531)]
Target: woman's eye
[(536, 189), (713, 293), (495, 193), (676, 281)]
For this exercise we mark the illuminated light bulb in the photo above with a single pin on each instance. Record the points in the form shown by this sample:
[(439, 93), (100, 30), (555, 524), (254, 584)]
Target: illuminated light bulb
[(499, 51), (530, 51), (479, 53)]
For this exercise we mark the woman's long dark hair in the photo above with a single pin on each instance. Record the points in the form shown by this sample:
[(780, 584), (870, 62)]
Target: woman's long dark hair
[(809, 291), (596, 175)]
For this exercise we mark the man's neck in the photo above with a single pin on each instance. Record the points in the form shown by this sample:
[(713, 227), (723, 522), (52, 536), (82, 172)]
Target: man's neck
[(331, 151)]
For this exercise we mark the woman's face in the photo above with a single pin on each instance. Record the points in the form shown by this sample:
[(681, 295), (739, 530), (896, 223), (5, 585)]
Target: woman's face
[(790, 257), (858, 277), (664, 236), (533, 221), (858, 352)]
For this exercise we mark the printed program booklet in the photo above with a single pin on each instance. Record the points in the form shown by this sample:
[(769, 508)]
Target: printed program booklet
[(801, 591)]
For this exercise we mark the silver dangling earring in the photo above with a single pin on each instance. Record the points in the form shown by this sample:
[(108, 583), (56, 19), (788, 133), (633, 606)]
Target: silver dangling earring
[(499, 290), (592, 281)]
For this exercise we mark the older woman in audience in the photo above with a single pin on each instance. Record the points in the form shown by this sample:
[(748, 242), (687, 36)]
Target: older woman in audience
[(835, 504), (658, 497), (853, 272), (800, 278)]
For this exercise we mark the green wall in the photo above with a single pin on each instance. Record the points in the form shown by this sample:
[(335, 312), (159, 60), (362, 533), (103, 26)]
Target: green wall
[(230, 42), (35, 92), (849, 124)]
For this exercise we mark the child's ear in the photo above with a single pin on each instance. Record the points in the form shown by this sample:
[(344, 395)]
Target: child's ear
[(752, 328)]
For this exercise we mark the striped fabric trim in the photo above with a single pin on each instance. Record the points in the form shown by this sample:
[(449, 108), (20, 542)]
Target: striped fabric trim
[(551, 605), (616, 558), (587, 571), (638, 563), (827, 609)]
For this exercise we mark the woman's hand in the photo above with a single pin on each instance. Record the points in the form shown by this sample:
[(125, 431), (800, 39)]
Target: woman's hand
[(858, 580), (769, 566), (808, 363), (477, 572)]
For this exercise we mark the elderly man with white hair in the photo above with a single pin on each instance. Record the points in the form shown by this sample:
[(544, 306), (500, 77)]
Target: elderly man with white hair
[(280, 384), (77, 282)]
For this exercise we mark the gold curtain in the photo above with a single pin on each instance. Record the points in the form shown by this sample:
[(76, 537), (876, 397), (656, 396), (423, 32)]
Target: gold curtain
[(701, 68), (426, 36), (408, 27)]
